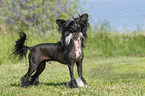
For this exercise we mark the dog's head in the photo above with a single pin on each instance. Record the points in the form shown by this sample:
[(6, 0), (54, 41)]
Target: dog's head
[(73, 28)]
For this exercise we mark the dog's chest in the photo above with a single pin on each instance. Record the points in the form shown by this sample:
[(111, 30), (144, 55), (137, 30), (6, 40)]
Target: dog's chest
[(78, 49)]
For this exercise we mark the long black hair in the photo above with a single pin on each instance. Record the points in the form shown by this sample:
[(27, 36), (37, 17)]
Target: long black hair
[(20, 50)]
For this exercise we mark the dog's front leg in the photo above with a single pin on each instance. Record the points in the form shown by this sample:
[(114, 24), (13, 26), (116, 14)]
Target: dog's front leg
[(72, 83), (81, 82)]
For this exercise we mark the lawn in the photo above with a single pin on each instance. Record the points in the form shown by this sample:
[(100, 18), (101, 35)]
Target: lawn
[(122, 76)]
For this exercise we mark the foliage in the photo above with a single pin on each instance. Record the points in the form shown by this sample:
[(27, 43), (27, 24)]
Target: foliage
[(113, 44), (40, 14)]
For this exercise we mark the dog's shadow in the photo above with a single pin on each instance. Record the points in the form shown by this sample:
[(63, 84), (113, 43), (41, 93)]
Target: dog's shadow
[(55, 84), (16, 85), (41, 83)]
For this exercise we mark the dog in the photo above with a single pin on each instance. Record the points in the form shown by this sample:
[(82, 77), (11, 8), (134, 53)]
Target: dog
[(68, 51)]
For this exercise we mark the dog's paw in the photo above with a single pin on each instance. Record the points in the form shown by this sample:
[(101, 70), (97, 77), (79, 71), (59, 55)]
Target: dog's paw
[(72, 84), (25, 82), (81, 82), (35, 82)]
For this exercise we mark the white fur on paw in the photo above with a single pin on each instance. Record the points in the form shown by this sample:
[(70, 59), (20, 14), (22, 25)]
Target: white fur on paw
[(80, 83)]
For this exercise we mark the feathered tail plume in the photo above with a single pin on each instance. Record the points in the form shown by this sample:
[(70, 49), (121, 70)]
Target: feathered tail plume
[(20, 49)]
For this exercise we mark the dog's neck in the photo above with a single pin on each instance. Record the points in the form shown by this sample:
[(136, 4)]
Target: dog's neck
[(76, 39), (71, 44), (78, 47)]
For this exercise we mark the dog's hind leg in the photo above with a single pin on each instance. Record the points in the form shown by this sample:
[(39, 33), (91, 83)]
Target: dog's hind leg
[(35, 77), (81, 82), (31, 70)]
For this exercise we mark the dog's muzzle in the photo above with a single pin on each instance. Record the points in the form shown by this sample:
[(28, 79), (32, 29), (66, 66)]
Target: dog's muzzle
[(73, 36), (76, 35)]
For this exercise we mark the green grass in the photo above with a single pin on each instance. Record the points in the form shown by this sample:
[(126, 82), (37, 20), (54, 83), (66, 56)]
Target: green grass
[(123, 76), (113, 65), (98, 44), (7, 42), (114, 44)]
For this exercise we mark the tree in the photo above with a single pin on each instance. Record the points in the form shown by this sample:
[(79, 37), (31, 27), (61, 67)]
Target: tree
[(40, 14)]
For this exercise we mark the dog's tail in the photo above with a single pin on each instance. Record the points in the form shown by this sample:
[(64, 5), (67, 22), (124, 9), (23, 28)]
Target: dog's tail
[(20, 50)]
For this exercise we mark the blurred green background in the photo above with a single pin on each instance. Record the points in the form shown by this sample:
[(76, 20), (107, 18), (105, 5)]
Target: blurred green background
[(37, 19)]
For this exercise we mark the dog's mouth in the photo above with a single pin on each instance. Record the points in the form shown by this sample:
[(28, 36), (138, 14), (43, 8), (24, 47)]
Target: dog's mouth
[(76, 35)]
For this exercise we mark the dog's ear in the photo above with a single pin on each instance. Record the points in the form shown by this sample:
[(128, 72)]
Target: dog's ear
[(60, 22), (84, 17)]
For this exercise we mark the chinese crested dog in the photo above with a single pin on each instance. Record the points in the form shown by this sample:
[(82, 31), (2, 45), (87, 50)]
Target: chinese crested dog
[(68, 51)]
